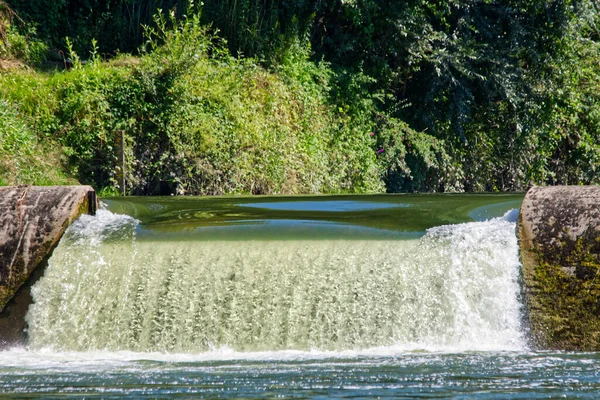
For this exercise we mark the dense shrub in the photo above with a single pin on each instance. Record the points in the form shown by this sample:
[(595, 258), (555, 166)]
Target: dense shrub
[(19, 44), (198, 121), (318, 96)]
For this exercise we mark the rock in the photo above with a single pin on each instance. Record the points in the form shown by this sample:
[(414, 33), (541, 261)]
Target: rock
[(559, 238), (32, 220)]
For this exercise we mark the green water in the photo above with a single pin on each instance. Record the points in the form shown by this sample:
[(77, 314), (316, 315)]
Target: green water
[(405, 296), (322, 217)]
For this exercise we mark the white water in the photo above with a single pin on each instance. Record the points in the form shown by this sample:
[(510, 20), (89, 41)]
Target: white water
[(455, 289)]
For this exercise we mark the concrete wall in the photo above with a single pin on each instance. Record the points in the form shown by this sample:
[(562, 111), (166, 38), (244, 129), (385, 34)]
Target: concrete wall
[(559, 237), (32, 220)]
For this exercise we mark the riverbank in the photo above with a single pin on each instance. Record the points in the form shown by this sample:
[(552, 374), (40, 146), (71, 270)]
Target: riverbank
[(185, 119), (193, 114)]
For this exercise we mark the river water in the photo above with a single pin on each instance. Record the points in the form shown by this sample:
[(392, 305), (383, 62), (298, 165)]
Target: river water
[(345, 296)]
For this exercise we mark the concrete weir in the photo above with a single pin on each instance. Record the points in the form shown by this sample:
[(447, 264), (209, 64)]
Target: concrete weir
[(32, 221), (559, 237)]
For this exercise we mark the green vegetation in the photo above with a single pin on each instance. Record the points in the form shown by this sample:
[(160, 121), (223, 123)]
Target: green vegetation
[(301, 97), (22, 157), (16, 45), (566, 292), (196, 121)]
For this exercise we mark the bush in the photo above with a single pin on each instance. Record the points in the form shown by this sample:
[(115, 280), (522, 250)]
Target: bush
[(16, 44), (413, 161), (197, 121)]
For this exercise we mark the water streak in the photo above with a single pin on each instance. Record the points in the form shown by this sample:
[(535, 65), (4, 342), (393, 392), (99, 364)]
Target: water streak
[(455, 288)]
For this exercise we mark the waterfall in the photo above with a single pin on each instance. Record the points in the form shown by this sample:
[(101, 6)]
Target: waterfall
[(456, 287)]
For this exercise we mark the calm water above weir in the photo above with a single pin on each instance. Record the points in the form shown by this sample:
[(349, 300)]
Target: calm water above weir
[(345, 296), (310, 217)]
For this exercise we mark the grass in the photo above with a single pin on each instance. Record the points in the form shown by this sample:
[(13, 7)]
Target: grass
[(23, 159)]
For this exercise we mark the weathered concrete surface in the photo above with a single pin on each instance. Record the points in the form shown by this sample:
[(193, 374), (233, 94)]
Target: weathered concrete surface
[(32, 220), (559, 237)]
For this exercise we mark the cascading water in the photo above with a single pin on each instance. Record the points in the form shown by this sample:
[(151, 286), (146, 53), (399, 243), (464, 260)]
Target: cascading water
[(310, 297), (455, 288)]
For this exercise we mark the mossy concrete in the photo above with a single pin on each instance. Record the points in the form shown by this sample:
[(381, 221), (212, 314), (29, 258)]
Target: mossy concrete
[(559, 237), (32, 221)]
